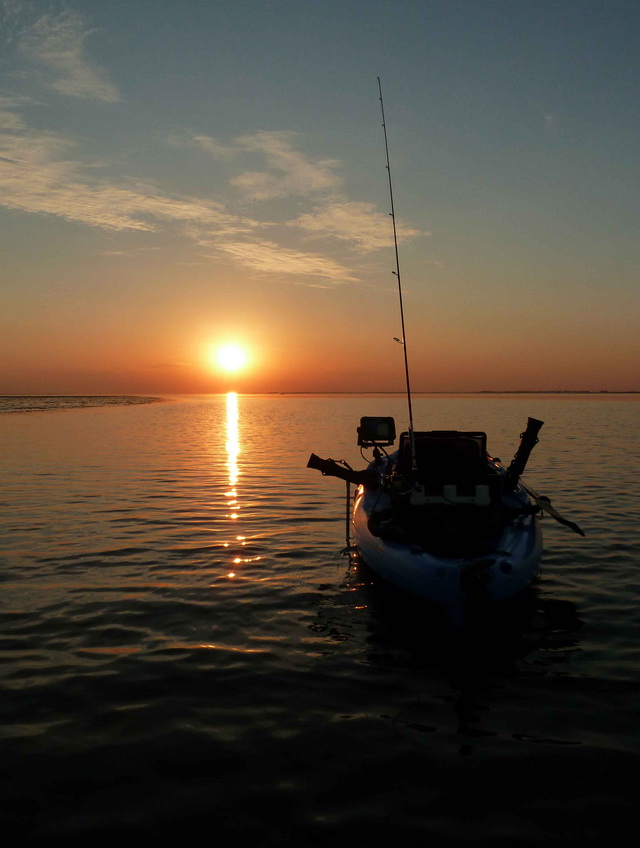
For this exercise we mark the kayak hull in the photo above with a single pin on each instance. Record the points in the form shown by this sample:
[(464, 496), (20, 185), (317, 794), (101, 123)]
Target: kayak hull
[(457, 583)]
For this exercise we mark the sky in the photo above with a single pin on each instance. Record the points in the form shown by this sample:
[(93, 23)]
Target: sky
[(176, 175)]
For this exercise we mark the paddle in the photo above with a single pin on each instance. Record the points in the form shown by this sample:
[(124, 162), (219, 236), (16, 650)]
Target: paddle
[(544, 504)]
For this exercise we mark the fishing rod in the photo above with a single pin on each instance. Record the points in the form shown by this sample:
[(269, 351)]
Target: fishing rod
[(396, 273)]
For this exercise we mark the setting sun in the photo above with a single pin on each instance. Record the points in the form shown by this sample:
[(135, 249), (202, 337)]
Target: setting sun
[(230, 358)]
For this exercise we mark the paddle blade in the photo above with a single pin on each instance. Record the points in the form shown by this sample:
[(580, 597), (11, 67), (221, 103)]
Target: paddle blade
[(545, 505)]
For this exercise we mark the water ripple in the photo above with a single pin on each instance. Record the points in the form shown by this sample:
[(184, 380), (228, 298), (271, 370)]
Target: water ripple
[(183, 643)]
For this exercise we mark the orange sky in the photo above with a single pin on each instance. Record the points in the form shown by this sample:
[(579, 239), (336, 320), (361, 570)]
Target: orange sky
[(146, 216)]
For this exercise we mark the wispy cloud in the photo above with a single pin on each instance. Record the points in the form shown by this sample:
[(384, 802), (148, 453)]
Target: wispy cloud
[(275, 259), (57, 43), (41, 172), (49, 173), (127, 252), (38, 174), (289, 171), (351, 221), (205, 142)]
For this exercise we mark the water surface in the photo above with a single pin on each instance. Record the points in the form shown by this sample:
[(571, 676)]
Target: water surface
[(184, 643)]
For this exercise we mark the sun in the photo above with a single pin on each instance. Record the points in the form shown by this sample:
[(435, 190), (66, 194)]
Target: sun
[(230, 358)]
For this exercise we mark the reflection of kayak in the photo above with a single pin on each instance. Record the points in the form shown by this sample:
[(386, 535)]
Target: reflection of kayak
[(458, 541)]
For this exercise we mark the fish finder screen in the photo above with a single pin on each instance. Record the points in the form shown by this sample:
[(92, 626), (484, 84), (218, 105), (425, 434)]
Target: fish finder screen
[(376, 431)]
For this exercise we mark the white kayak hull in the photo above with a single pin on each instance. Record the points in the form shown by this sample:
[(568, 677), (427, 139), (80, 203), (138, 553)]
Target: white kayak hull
[(452, 582)]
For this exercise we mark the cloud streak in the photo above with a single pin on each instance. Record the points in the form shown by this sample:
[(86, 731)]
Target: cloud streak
[(48, 173), (351, 221), (40, 173), (37, 175), (290, 172), (274, 259), (295, 173), (57, 44)]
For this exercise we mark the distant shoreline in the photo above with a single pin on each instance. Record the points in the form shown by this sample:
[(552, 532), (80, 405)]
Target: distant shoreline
[(15, 404), (148, 398)]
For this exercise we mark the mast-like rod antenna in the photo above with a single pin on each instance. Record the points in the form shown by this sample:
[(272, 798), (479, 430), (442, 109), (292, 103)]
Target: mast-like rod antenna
[(397, 275)]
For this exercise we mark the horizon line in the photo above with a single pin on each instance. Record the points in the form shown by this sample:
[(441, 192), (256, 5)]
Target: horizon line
[(348, 392)]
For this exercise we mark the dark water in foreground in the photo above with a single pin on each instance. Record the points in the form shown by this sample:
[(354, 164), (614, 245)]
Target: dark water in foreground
[(184, 647)]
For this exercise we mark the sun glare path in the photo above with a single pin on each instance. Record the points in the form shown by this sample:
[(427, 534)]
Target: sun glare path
[(233, 451), (233, 443)]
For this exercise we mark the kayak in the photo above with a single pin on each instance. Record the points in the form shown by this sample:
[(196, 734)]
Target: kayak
[(459, 551)]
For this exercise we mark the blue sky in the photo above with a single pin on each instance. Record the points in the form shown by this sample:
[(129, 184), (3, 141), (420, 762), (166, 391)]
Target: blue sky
[(174, 175)]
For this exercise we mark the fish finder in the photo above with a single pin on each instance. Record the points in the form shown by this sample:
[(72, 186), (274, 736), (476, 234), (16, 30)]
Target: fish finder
[(376, 432)]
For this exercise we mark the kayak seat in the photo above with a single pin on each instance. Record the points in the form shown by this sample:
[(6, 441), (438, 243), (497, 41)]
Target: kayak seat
[(452, 453), (451, 461)]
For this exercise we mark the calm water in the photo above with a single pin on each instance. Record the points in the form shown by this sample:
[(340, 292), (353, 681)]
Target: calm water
[(185, 646)]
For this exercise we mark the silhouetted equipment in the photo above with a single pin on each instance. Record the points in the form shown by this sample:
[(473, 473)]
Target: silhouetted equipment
[(528, 441), (376, 432), (331, 468)]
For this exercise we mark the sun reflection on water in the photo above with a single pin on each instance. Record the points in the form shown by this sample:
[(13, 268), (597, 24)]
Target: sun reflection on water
[(233, 451)]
